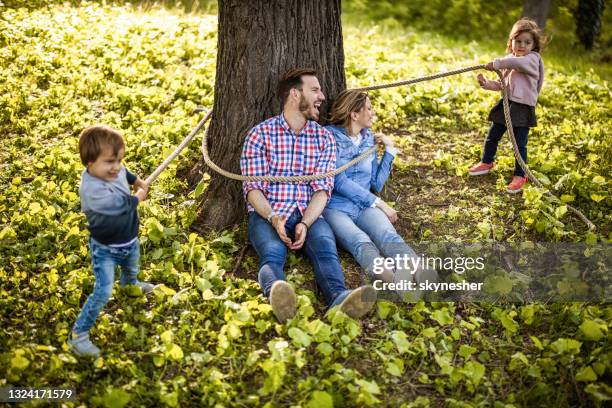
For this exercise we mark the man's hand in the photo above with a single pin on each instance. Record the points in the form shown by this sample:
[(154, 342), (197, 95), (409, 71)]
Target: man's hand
[(389, 212), (279, 225), (489, 66), (300, 236)]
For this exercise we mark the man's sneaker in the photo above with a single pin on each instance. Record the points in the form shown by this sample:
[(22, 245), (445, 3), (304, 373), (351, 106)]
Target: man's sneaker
[(356, 303), (146, 287), (80, 345), (481, 168), (283, 301), (516, 185)]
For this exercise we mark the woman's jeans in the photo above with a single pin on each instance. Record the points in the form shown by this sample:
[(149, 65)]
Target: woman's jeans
[(496, 132), (319, 247), (104, 260), (370, 237)]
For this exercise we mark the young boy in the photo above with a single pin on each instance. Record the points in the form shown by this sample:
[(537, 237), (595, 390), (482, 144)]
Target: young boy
[(112, 220)]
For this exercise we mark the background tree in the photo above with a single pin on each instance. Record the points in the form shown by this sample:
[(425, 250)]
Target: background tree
[(259, 40), (537, 10), (588, 21)]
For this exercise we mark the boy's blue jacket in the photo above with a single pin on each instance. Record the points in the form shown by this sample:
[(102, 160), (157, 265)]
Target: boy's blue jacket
[(352, 187), (111, 210)]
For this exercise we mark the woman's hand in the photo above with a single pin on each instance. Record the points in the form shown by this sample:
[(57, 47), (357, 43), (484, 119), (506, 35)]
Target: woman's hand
[(384, 139), (389, 212)]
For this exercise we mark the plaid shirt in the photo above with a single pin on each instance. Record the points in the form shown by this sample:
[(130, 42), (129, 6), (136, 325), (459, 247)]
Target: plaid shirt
[(273, 149)]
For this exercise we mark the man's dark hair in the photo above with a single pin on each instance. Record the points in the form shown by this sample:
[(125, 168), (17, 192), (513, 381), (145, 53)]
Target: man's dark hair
[(292, 79)]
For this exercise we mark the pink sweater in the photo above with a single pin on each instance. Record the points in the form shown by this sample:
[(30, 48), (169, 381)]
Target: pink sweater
[(523, 77)]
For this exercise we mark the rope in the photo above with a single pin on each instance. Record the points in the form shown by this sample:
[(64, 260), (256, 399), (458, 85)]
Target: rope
[(367, 153)]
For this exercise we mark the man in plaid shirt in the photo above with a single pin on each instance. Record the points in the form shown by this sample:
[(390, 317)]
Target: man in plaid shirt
[(287, 215)]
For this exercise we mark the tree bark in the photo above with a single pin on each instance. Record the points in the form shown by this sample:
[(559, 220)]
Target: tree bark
[(258, 41), (537, 10)]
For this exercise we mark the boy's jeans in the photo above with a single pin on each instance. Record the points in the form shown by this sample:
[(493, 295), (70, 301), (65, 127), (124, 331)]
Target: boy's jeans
[(370, 236), (320, 247), (496, 131), (104, 260)]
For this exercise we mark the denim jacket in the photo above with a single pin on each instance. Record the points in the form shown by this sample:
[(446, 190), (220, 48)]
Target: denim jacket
[(352, 187)]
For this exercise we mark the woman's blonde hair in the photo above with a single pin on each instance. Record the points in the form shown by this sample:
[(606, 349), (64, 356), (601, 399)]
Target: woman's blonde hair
[(346, 103), (527, 25)]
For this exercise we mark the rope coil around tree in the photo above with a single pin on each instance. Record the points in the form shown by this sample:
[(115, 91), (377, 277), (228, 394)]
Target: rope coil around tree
[(367, 153)]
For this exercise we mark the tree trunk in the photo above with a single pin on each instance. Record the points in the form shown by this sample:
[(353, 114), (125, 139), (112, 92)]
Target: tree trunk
[(258, 41), (537, 10), (588, 21)]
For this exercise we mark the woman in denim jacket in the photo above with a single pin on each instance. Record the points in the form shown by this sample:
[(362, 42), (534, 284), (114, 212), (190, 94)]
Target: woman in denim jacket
[(361, 221)]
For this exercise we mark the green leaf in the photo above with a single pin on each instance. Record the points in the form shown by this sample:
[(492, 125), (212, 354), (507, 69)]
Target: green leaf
[(570, 346), (474, 371), (586, 374), (18, 361), (116, 398), (593, 330), (601, 392), (320, 399), (174, 352), (325, 348), (401, 341), (442, 316), (299, 337), (368, 386), (466, 351)]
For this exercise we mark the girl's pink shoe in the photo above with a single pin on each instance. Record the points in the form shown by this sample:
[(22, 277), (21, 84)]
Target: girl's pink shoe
[(516, 185), (481, 168)]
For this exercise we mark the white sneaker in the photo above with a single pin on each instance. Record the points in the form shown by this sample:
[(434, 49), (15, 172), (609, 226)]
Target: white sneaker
[(358, 302), (81, 345), (283, 301), (146, 287)]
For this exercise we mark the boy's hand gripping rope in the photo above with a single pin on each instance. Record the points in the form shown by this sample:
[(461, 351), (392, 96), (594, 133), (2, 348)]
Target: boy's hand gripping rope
[(368, 152)]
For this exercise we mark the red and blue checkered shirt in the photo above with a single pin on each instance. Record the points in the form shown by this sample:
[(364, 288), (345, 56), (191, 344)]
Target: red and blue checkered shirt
[(273, 149)]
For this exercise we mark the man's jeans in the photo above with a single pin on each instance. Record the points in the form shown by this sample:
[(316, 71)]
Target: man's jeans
[(370, 236), (104, 260), (319, 247), (496, 131)]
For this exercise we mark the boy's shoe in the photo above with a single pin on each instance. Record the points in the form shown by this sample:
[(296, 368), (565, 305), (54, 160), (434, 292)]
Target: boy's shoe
[(516, 185), (481, 168), (146, 287), (356, 303), (283, 301), (80, 345)]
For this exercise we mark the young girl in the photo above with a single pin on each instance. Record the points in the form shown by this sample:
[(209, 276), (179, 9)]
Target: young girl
[(523, 73)]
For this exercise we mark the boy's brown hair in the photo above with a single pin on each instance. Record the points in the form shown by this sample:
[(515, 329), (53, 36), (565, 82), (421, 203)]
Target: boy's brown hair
[(94, 138), (292, 79)]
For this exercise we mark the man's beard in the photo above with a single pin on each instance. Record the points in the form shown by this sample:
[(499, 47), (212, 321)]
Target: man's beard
[(303, 107)]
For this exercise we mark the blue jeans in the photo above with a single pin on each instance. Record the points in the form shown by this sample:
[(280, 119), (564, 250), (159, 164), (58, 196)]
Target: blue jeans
[(319, 247), (368, 236), (104, 260), (496, 132)]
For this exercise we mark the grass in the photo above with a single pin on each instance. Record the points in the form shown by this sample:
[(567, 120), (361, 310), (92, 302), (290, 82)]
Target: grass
[(207, 336)]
